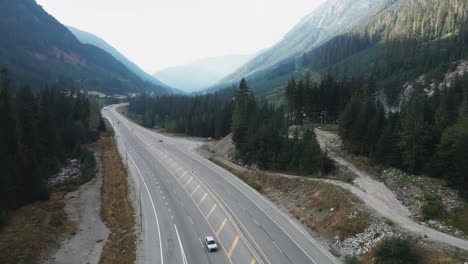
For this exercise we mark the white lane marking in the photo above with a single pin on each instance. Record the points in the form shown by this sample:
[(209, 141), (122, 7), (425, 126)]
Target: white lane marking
[(154, 208), (191, 221), (201, 242), (256, 221), (182, 252)]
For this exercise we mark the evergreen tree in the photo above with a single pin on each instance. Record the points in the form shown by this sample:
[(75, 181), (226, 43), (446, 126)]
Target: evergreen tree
[(311, 159), (415, 133)]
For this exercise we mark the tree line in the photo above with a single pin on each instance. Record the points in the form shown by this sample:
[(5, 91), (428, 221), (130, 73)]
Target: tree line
[(320, 102), (39, 131), (259, 130), (429, 135), (261, 134), (202, 116)]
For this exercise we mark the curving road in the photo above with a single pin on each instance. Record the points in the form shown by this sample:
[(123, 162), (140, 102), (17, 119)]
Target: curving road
[(184, 197)]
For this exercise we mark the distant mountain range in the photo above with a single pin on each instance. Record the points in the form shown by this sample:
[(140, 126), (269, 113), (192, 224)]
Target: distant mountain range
[(38, 50), (202, 73), (328, 20), (89, 38), (394, 41)]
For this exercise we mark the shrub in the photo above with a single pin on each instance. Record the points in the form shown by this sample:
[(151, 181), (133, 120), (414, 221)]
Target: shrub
[(395, 251), (4, 217), (434, 207)]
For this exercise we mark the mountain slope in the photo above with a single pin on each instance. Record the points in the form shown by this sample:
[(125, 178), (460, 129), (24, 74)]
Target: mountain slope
[(40, 51), (88, 38), (331, 18), (397, 43), (202, 73)]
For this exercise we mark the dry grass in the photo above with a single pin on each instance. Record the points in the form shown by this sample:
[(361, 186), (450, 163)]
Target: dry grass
[(116, 210), (328, 209), (34, 230)]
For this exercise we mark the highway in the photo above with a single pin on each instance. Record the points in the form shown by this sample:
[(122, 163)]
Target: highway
[(185, 197)]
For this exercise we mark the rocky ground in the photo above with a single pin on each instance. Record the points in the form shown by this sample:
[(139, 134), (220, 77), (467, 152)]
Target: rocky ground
[(71, 170)]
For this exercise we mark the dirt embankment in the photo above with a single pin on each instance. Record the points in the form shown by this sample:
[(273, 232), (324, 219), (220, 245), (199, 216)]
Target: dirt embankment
[(117, 210)]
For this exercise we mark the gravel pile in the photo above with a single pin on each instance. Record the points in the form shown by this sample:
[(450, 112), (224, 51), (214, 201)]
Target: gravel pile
[(71, 170)]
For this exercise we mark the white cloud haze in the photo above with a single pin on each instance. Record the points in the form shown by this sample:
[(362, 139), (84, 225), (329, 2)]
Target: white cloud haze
[(157, 34)]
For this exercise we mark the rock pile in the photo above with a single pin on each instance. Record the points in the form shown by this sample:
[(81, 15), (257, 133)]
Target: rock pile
[(362, 243), (70, 171)]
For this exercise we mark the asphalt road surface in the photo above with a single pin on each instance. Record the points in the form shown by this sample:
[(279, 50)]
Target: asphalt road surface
[(185, 197)]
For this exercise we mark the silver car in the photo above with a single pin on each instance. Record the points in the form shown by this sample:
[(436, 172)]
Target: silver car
[(211, 244)]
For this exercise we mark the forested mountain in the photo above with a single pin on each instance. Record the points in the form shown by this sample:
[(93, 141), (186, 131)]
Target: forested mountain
[(328, 20), (88, 38), (40, 51), (396, 42), (202, 73)]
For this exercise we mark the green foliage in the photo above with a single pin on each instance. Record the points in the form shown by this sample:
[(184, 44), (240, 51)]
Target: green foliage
[(450, 159), (395, 251), (323, 102), (40, 131), (263, 139), (430, 134), (4, 217), (202, 116), (399, 41), (434, 207)]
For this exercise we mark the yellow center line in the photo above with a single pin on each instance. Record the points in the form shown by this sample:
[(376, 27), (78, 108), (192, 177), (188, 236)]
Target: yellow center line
[(202, 199), (221, 227), (191, 178), (253, 261), (182, 176), (196, 189), (234, 244), (211, 211)]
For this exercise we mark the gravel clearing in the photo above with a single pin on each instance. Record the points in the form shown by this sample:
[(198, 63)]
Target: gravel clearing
[(83, 207)]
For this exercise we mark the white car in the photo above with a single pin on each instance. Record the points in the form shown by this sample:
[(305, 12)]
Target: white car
[(211, 244)]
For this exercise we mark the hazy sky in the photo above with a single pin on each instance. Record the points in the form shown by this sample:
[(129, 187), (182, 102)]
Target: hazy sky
[(156, 34)]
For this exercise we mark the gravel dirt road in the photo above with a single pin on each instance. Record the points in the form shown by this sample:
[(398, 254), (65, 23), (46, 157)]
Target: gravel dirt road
[(83, 207), (381, 199)]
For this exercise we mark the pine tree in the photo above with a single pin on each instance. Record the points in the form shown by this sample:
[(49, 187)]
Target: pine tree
[(311, 158), (8, 181)]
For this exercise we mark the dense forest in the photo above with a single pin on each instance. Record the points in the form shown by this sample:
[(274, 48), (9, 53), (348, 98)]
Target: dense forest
[(260, 130), (39, 131), (398, 42), (262, 137), (429, 135), (320, 102), (202, 116)]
